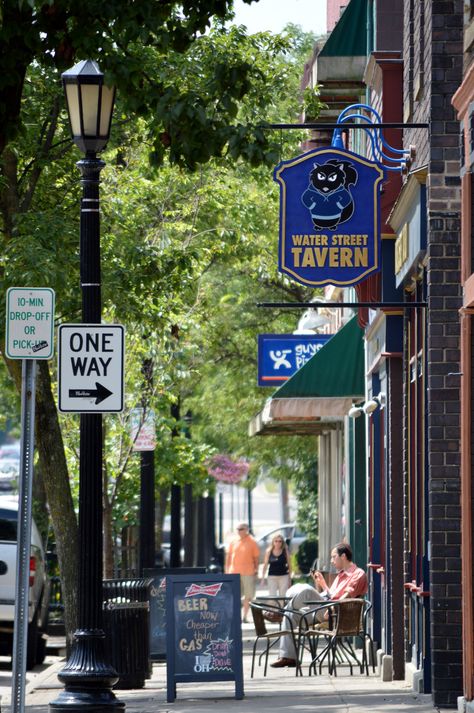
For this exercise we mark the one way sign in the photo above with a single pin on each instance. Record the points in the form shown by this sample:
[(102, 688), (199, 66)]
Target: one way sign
[(90, 370)]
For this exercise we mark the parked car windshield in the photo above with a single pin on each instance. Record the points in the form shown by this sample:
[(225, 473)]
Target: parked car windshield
[(8, 520)]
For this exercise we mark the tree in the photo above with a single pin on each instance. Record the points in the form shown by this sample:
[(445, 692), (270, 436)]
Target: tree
[(224, 322), (154, 52), (196, 95)]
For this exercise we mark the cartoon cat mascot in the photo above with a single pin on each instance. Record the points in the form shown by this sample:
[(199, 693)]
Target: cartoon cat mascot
[(328, 197)]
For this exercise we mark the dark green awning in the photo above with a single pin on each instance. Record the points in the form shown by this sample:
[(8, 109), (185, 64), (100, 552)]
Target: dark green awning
[(335, 370), (349, 37), (320, 393)]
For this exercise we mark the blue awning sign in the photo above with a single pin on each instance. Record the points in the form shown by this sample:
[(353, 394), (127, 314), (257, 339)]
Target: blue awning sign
[(329, 217), (280, 355)]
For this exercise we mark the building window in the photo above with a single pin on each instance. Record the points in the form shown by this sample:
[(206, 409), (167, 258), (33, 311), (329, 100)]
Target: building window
[(409, 62), (471, 139), (420, 73), (468, 26)]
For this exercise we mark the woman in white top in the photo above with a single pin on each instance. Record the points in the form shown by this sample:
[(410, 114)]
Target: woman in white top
[(277, 562)]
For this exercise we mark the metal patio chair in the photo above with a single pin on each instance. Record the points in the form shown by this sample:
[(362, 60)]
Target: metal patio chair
[(366, 637), (334, 623), (276, 614)]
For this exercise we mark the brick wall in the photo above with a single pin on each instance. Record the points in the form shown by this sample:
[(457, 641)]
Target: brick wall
[(443, 59), (334, 12), (432, 73), (444, 300)]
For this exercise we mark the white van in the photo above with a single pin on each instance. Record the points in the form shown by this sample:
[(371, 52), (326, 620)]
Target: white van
[(39, 585)]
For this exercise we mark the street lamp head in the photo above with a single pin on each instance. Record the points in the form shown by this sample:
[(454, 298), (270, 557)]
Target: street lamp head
[(374, 403), (90, 105), (310, 321)]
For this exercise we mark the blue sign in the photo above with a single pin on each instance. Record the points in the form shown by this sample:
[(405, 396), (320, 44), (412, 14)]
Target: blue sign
[(280, 355), (329, 217)]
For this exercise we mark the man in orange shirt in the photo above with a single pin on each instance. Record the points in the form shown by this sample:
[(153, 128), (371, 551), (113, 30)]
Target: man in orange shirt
[(242, 558)]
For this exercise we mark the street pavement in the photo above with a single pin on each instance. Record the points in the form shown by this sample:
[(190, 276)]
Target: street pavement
[(280, 691), (55, 649)]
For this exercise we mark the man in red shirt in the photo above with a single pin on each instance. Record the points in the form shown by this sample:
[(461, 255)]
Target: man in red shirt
[(350, 582)]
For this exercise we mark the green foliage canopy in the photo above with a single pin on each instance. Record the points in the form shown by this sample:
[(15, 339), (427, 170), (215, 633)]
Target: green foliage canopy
[(186, 82)]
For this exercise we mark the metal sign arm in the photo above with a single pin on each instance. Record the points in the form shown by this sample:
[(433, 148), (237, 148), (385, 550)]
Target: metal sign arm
[(341, 305)]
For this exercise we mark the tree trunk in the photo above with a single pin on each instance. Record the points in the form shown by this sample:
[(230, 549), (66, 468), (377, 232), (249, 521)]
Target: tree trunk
[(53, 465), (49, 442), (40, 505), (52, 462)]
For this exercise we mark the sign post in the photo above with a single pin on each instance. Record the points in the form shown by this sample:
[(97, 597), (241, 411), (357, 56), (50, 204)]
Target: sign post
[(90, 368), (29, 336)]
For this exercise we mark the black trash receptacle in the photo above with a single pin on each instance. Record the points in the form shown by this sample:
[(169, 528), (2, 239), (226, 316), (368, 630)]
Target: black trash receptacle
[(126, 625)]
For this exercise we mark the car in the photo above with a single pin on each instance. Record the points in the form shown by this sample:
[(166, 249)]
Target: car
[(292, 535), (10, 451), (9, 473), (38, 589)]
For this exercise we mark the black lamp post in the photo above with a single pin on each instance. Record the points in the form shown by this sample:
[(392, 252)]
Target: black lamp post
[(189, 507), (147, 485), (87, 675)]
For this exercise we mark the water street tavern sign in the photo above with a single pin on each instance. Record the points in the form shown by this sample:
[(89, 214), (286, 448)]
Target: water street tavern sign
[(329, 217)]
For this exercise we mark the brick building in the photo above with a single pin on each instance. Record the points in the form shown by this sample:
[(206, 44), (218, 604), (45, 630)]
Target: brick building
[(415, 447), (335, 8), (432, 54), (413, 357), (463, 103)]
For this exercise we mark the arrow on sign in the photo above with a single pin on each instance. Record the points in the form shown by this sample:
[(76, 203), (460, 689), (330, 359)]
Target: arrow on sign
[(100, 393)]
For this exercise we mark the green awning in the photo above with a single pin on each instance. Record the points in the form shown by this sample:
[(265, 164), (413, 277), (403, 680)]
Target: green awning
[(349, 37), (335, 370), (319, 393)]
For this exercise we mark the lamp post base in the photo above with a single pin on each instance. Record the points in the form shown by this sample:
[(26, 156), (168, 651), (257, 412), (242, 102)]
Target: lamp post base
[(88, 678)]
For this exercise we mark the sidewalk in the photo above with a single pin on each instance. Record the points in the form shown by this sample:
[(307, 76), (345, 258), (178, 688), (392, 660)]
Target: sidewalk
[(278, 692)]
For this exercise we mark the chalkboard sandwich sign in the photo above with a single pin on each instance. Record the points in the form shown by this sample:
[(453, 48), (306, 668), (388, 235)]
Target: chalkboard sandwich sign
[(204, 636), (157, 601)]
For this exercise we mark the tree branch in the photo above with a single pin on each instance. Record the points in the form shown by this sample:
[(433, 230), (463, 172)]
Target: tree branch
[(43, 153)]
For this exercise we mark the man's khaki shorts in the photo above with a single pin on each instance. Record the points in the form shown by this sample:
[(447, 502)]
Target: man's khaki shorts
[(248, 585)]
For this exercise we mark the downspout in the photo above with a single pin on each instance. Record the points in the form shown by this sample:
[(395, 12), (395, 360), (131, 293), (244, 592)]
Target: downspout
[(370, 39), (370, 26)]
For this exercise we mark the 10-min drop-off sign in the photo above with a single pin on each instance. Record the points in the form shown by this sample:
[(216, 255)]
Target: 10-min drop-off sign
[(91, 360), (30, 323)]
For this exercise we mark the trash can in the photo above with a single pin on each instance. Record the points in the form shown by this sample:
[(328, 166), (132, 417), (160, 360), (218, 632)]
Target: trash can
[(126, 625)]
